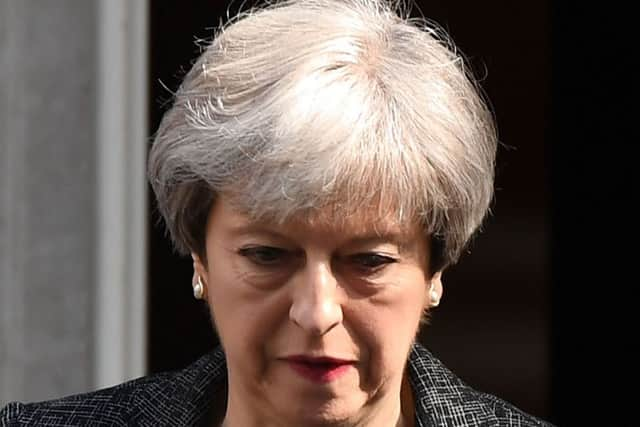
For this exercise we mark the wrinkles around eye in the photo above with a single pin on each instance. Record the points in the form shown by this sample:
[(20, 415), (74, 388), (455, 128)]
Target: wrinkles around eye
[(271, 259), (371, 262), (265, 256)]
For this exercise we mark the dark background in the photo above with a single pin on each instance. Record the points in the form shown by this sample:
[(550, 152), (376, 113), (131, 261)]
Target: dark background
[(526, 314)]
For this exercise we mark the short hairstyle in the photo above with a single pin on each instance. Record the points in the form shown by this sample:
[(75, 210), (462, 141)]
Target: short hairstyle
[(300, 105)]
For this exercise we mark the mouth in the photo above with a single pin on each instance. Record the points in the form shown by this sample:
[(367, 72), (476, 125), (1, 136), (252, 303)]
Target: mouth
[(319, 369)]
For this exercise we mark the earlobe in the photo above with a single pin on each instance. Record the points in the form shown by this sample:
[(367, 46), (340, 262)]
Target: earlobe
[(199, 281), (435, 289), (198, 288)]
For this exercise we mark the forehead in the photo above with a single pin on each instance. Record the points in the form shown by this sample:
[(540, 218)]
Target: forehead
[(360, 223), (369, 221)]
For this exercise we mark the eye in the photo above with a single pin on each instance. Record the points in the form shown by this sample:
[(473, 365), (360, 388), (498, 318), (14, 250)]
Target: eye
[(265, 256), (371, 262)]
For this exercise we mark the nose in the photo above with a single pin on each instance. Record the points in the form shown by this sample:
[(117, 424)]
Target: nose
[(315, 307)]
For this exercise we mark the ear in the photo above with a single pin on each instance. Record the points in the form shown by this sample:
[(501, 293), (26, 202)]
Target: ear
[(434, 294), (199, 269)]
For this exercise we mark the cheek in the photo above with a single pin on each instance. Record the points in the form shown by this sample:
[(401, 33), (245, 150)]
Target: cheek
[(236, 316), (245, 318), (386, 328)]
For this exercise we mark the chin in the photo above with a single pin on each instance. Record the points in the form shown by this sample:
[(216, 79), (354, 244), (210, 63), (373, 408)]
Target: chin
[(334, 412)]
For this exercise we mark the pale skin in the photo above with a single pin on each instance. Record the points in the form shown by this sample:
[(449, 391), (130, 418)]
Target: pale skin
[(354, 291)]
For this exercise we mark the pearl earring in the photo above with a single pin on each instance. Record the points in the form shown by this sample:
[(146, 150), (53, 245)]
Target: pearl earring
[(198, 289), (434, 298)]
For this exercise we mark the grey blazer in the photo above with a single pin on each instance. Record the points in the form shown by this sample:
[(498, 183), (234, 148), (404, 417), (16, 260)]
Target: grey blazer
[(196, 396)]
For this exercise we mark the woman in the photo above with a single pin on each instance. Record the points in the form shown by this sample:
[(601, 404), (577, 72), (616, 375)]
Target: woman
[(323, 163)]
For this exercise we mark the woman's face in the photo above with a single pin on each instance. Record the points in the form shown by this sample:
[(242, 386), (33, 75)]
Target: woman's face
[(316, 318)]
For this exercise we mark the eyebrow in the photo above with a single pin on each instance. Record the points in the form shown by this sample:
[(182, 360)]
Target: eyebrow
[(396, 237), (243, 230)]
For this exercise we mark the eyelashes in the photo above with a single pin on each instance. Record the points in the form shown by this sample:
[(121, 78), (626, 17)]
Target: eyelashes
[(265, 256), (273, 257), (371, 261)]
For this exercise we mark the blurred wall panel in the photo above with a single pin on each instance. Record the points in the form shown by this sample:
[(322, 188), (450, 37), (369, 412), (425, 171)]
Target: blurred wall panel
[(73, 125), (47, 197)]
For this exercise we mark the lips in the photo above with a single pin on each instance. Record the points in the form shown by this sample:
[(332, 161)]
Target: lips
[(319, 369)]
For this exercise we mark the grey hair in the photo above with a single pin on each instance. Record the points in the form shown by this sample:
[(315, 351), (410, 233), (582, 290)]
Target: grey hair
[(343, 104)]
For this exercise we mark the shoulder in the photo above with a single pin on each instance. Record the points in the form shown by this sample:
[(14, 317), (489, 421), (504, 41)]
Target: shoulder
[(178, 398), (444, 399), (103, 407)]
